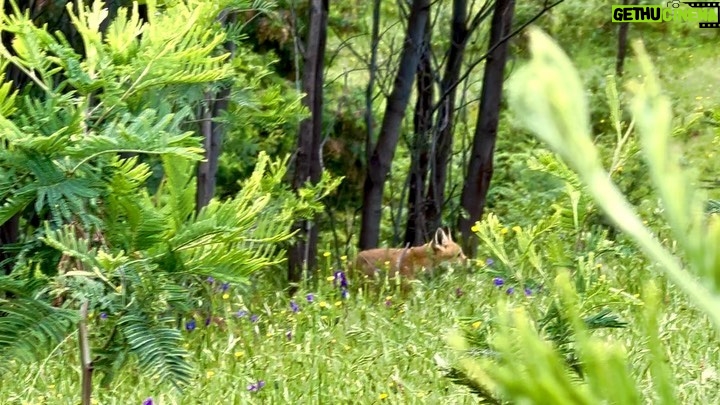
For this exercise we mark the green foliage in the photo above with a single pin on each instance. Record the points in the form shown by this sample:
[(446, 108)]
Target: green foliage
[(77, 151), (547, 96)]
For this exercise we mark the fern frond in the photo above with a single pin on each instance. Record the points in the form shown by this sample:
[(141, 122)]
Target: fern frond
[(29, 328), (157, 347)]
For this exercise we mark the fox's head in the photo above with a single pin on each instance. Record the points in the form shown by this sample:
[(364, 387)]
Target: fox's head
[(445, 249)]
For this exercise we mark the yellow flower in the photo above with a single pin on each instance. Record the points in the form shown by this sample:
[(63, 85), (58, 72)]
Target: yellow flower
[(326, 254), (330, 278), (343, 258), (387, 263), (420, 394), (476, 324), (323, 317), (516, 229), (269, 334), (504, 231), (475, 228), (226, 296), (346, 347), (599, 265), (338, 303), (383, 396), (619, 169), (323, 304), (333, 341), (118, 289), (239, 354), (209, 373), (388, 298)]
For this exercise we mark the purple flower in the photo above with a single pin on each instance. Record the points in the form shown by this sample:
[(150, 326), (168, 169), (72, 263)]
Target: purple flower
[(253, 318), (499, 282), (345, 293), (528, 292), (459, 292), (190, 325), (210, 279), (340, 279), (224, 287), (103, 315), (208, 320), (489, 261), (256, 386), (148, 401), (388, 303), (310, 298), (240, 313), (510, 290), (294, 306)]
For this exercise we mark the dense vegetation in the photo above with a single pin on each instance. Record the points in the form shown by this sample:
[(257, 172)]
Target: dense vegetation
[(183, 185)]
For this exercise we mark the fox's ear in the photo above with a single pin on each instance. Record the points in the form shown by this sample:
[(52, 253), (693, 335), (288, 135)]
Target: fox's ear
[(440, 237)]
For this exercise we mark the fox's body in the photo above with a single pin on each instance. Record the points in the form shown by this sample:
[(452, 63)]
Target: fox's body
[(408, 262)]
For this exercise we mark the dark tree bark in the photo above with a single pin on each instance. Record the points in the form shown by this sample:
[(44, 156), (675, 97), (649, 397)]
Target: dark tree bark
[(384, 151), (622, 43), (480, 167), (415, 229), (302, 256), (372, 72), (435, 197), (212, 132)]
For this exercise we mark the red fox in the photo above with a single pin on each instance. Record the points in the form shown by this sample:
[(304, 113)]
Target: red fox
[(409, 261)]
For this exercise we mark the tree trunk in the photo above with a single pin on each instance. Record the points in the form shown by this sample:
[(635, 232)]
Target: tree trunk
[(302, 256), (384, 151), (416, 230), (480, 167), (622, 43), (435, 197), (212, 132)]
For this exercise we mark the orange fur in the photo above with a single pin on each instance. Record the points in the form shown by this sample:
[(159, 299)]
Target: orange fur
[(408, 262)]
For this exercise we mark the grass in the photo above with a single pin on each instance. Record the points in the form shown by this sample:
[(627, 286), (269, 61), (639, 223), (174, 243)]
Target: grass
[(363, 350)]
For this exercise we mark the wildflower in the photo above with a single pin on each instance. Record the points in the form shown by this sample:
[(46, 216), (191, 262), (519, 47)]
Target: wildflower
[(345, 293), (459, 292), (516, 229), (510, 291), (499, 282), (383, 396), (261, 384), (323, 304), (528, 292), (294, 306), (256, 386), (504, 231), (224, 287), (103, 315), (310, 298), (475, 228), (489, 261), (326, 254), (388, 302), (207, 321), (288, 335), (148, 401), (253, 318), (239, 354), (343, 258), (211, 280), (476, 324), (340, 279), (209, 373), (190, 325), (338, 303), (226, 296), (330, 278), (240, 313)]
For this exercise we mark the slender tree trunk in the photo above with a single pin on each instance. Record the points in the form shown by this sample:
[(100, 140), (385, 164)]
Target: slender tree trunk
[(480, 167), (622, 43), (370, 90), (442, 144), (212, 133), (384, 151), (302, 256), (416, 229)]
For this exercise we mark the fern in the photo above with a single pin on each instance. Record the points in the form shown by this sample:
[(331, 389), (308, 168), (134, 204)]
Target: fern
[(158, 348)]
